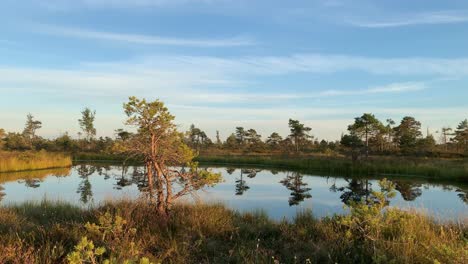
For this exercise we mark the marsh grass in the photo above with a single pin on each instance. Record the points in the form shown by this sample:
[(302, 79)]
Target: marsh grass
[(24, 161), (48, 232)]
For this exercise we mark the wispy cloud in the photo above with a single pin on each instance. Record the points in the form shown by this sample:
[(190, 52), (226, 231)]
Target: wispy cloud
[(220, 97), (391, 88), (441, 17), (143, 39), (317, 63)]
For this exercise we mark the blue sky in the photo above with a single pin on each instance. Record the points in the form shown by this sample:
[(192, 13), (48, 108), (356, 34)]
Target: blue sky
[(226, 63)]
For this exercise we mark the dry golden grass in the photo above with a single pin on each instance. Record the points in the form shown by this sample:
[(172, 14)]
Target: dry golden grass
[(24, 161)]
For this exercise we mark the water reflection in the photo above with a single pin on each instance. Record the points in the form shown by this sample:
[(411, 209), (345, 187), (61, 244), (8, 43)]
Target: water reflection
[(85, 187), (409, 191), (241, 185), (243, 188), (356, 190), (30, 179), (2, 194), (299, 190)]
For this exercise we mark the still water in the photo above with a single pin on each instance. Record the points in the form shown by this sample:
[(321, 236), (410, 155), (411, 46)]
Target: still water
[(279, 193)]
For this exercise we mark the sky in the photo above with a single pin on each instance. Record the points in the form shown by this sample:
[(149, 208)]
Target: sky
[(220, 64)]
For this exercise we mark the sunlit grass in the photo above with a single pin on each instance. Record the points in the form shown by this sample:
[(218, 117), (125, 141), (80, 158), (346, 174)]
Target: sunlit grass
[(23, 161)]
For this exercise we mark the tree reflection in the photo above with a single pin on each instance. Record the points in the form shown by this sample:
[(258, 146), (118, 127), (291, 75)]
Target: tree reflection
[(241, 185), (85, 187), (409, 191), (32, 183), (251, 173), (299, 191), (122, 180), (103, 170), (355, 191), (2, 193), (463, 195)]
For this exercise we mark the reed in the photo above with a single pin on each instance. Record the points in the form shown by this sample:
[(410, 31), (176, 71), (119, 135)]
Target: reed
[(24, 161)]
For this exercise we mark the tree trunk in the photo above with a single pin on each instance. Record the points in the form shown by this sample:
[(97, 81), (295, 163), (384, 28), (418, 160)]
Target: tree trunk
[(150, 179), (161, 201)]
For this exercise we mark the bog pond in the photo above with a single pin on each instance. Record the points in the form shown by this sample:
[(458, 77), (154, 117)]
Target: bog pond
[(278, 193)]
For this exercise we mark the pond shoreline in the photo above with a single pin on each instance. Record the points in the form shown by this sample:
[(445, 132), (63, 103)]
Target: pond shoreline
[(453, 170), (434, 169)]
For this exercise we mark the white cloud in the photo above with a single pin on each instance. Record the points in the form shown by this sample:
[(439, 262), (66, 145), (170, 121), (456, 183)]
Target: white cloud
[(429, 18), (142, 39)]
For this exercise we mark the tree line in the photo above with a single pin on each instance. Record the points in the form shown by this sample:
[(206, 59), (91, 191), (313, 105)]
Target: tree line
[(367, 135)]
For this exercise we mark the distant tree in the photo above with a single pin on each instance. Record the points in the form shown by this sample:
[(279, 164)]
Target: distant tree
[(231, 141), (353, 145), (30, 129), (323, 145), (194, 136), (240, 135), (15, 141), (197, 138), (427, 144), (461, 134), (274, 140), (299, 133), (122, 134), (254, 141), (366, 127), (445, 133), (162, 148), (204, 139), (2, 136), (218, 139), (252, 137), (87, 123), (407, 133), (64, 142)]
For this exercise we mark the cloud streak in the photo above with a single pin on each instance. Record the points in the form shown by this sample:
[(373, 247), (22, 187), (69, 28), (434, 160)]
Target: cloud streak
[(315, 63), (142, 39), (431, 18)]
